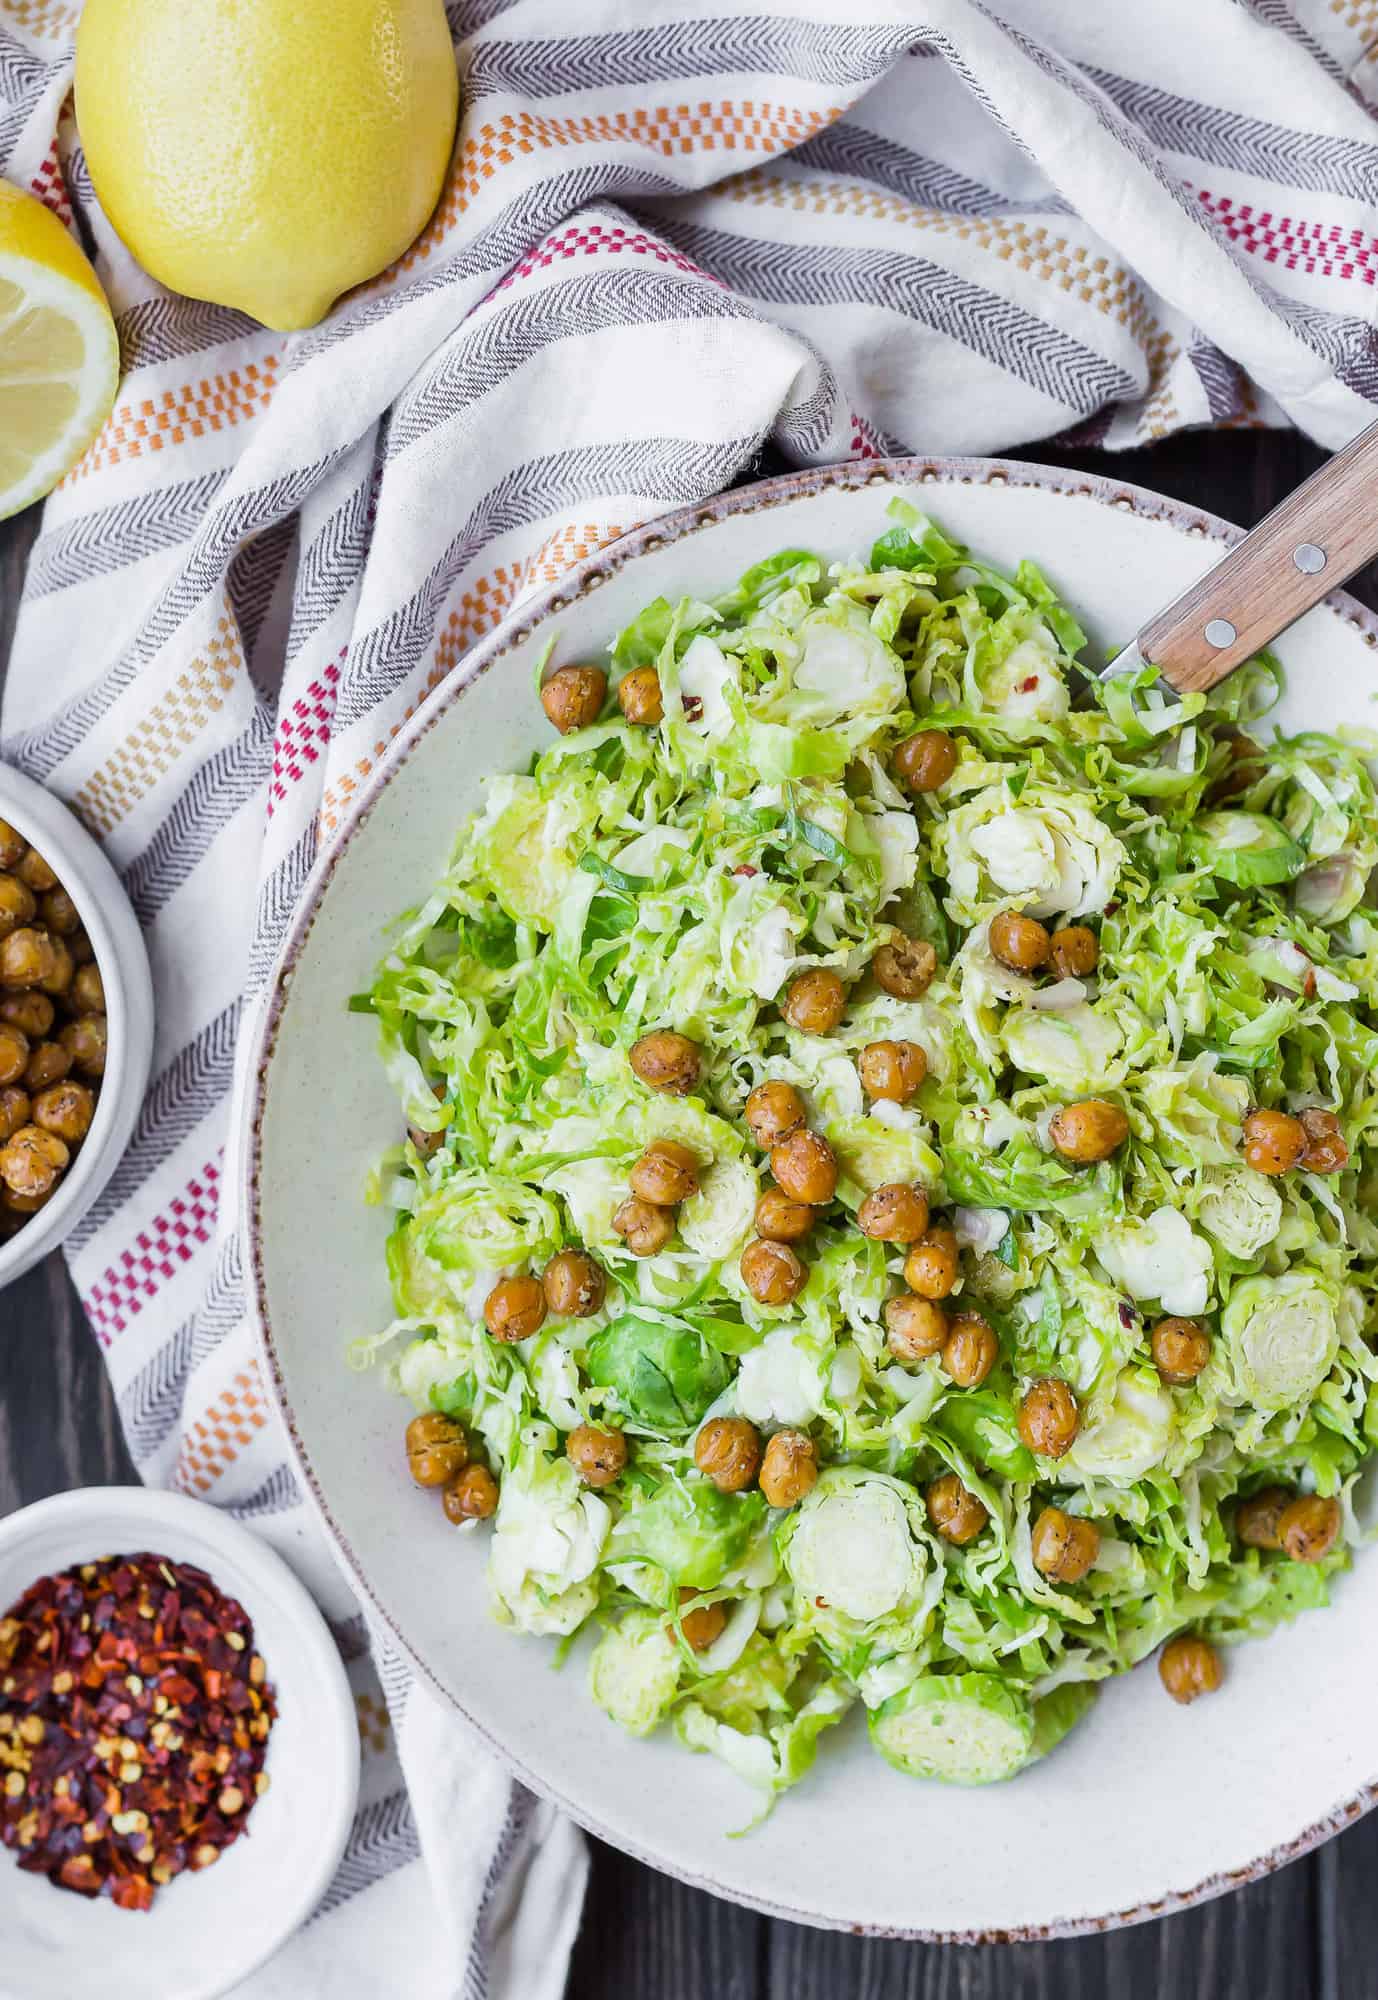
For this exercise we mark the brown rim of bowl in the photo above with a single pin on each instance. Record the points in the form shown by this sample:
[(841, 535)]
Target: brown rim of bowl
[(512, 632)]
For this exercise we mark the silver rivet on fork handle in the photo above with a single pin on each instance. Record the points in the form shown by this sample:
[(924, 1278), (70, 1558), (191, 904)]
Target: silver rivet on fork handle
[(1220, 633)]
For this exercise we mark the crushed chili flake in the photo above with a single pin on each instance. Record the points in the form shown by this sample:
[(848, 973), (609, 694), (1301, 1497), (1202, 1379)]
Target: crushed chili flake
[(134, 1719)]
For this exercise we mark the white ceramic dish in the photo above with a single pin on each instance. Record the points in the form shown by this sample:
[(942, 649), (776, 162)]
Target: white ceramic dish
[(208, 1931), (111, 925), (1147, 1806)]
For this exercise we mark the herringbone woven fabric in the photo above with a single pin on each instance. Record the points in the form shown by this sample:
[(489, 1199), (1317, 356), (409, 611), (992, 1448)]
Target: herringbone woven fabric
[(927, 224)]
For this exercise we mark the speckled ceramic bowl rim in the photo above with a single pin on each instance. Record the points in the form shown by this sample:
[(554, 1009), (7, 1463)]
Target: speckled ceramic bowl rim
[(489, 652)]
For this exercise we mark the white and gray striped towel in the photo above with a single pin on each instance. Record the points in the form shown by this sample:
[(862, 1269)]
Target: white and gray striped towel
[(852, 230)]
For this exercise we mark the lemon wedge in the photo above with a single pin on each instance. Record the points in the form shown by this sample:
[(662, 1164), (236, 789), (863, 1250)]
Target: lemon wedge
[(59, 353)]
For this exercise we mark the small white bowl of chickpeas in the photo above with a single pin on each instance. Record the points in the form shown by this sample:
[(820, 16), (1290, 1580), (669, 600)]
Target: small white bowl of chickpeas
[(76, 1022)]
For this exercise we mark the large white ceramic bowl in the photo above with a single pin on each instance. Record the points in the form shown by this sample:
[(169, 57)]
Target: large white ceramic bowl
[(1146, 1806)]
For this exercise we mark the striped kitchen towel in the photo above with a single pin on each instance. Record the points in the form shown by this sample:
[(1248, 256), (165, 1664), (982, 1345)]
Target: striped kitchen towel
[(847, 229)]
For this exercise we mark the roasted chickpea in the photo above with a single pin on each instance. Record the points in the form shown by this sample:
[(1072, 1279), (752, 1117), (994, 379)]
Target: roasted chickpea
[(59, 913), (514, 1309), (643, 1227), (84, 1041), (665, 1174), (896, 1213), (48, 1063), (573, 697), (66, 1109), (970, 1351), (574, 1285), (1074, 951), (31, 1161), (815, 1001), (892, 1070), (638, 696), (15, 1110), (667, 1061), (14, 1054), (1181, 1350), (728, 1451), (13, 846), (23, 1204), (471, 1495), (1309, 1527), (81, 948), (772, 1273), (789, 1470), (773, 1112), (904, 967), (1021, 943), (1273, 1141), (925, 761), (29, 957), (956, 1515), (781, 1220), (1064, 1546), (87, 994), (34, 871), (427, 1144), (805, 1166), (1257, 1519), (1048, 1417), (1189, 1667), (32, 1013), (1243, 768), (437, 1448), (914, 1328), (1326, 1151), (1088, 1131), (931, 1268), (18, 904), (701, 1626), (598, 1456)]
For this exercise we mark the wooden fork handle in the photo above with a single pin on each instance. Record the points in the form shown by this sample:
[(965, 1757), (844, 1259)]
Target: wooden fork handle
[(1312, 542)]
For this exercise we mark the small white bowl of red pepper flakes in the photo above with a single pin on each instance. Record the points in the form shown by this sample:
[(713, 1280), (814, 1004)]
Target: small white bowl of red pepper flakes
[(179, 1752)]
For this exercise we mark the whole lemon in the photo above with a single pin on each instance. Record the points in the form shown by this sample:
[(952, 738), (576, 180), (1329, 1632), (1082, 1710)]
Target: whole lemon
[(266, 155)]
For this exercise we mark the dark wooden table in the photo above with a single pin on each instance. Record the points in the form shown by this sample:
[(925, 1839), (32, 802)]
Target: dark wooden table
[(1309, 1932)]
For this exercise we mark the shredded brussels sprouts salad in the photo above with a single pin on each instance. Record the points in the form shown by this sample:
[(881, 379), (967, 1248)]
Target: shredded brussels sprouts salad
[(885, 1217)]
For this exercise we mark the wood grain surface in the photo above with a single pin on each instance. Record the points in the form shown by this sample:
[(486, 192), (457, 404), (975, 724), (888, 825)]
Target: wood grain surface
[(1309, 1932)]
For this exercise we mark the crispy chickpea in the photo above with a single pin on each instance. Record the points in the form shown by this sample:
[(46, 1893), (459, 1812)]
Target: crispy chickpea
[(1273, 1141), (1243, 768), (472, 1495), (931, 1267), (700, 1627), (48, 1063), (638, 696), (18, 904), (32, 1013), (925, 761), (1256, 1519), (1309, 1527), (34, 871), (1021, 943), (87, 995), (13, 846), (1048, 1417), (1326, 1151), (23, 1204), (84, 1041), (956, 1515), (914, 1328), (1181, 1350), (66, 1109), (81, 948), (970, 1351), (1088, 1131), (59, 913), (665, 1174), (437, 1448), (805, 1166), (904, 967), (1189, 1667), (598, 1456), (514, 1309), (896, 1213), (573, 697), (574, 1284), (643, 1227), (14, 1054), (1064, 1546), (781, 1220), (815, 1001), (15, 1110), (773, 1111), (427, 1144), (1074, 951), (728, 1451), (28, 957), (31, 1161), (667, 1061), (789, 1470), (772, 1273), (892, 1070)]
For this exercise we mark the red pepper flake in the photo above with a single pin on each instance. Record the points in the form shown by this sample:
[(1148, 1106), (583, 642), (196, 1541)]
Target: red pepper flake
[(1028, 686), (746, 869), (131, 1755)]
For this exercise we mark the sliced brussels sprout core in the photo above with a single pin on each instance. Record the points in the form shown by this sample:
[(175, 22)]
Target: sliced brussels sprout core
[(634, 1671), (1282, 1335), (851, 1551), (966, 1729)]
